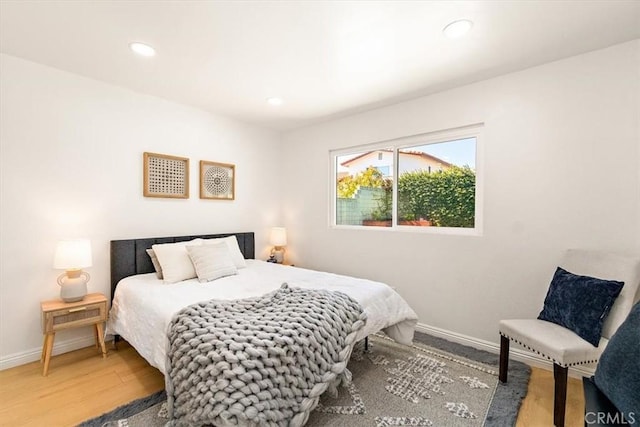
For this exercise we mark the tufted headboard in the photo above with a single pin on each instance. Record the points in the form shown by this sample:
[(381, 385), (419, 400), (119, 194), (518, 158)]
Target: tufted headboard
[(129, 257)]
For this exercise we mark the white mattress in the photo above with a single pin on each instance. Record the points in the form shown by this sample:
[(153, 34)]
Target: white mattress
[(143, 306)]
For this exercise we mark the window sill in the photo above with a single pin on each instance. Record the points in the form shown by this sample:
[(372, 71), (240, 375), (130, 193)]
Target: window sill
[(453, 231)]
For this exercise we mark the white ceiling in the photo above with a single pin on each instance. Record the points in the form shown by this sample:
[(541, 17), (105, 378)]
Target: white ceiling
[(326, 59)]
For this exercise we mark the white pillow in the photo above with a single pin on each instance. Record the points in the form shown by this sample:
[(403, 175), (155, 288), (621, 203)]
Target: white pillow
[(234, 249), (174, 260), (212, 261)]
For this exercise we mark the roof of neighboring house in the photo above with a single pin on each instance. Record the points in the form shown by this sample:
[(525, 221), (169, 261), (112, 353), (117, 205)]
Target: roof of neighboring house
[(411, 153)]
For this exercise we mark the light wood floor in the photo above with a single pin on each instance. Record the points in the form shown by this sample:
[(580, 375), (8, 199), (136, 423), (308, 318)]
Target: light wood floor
[(82, 385)]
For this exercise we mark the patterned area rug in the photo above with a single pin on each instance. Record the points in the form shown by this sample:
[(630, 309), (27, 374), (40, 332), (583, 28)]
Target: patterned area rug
[(432, 383)]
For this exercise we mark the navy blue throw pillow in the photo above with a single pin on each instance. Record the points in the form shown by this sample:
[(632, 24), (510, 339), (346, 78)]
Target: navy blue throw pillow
[(618, 372), (580, 303)]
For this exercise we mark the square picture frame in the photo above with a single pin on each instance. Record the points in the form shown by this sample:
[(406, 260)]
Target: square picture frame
[(165, 176), (217, 180)]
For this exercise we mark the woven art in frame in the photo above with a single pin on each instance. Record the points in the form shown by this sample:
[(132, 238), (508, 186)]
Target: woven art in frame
[(217, 180), (165, 176)]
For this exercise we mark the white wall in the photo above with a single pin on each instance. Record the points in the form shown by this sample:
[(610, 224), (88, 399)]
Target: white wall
[(72, 167), (561, 157)]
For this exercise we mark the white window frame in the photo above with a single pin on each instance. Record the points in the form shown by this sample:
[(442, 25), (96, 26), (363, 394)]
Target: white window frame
[(471, 131)]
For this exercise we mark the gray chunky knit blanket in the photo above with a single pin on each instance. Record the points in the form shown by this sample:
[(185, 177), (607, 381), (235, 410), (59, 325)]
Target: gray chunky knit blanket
[(260, 361)]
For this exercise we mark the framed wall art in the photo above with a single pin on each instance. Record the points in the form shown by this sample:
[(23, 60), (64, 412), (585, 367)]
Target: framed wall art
[(217, 180), (166, 176)]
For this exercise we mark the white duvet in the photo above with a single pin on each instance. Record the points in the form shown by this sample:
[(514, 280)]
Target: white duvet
[(143, 306)]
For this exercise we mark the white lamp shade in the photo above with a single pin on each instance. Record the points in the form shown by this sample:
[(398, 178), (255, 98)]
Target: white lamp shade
[(73, 254), (278, 236)]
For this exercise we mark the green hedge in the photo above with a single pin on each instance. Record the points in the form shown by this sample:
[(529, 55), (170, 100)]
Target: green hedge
[(446, 198)]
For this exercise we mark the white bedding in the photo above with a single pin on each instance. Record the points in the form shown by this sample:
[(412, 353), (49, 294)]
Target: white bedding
[(143, 306)]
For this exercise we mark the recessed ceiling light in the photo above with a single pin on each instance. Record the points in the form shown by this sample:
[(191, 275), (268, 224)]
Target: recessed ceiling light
[(275, 101), (457, 29), (142, 49)]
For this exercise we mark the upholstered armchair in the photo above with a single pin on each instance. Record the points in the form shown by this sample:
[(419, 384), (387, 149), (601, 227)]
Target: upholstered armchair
[(562, 346)]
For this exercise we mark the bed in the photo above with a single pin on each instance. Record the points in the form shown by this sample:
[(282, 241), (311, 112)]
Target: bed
[(142, 306)]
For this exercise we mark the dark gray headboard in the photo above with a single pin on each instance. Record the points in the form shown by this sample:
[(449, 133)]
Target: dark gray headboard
[(129, 257)]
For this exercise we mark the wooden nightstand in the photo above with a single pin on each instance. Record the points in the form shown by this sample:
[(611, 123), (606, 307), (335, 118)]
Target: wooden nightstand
[(58, 315)]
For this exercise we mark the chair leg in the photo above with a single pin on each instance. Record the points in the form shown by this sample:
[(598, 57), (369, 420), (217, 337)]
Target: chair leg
[(504, 359), (560, 394)]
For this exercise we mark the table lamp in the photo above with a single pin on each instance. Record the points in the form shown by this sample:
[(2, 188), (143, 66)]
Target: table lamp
[(278, 240), (73, 256)]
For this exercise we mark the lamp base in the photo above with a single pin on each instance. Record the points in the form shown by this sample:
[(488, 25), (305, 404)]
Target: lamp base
[(73, 289), (278, 254)]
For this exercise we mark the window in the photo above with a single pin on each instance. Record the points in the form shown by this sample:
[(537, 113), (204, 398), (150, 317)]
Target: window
[(426, 182)]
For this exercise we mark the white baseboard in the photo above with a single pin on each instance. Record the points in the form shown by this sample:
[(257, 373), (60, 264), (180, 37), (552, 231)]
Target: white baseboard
[(33, 355), (519, 354)]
